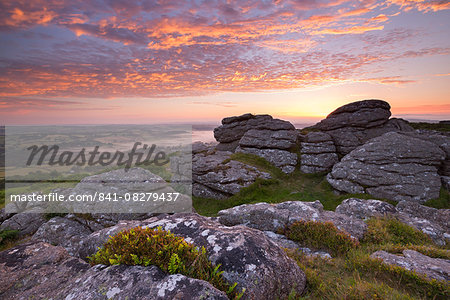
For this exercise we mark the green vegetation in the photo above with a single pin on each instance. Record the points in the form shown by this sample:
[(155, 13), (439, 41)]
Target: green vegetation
[(7, 238), (389, 230), (353, 274), (146, 246), (442, 202), (293, 187), (319, 235), (430, 126)]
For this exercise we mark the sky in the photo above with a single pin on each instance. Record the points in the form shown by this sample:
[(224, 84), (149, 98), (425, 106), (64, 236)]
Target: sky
[(138, 61)]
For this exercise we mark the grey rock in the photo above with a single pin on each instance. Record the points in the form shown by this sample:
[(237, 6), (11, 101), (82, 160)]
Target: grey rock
[(283, 242), (365, 114), (431, 221), (4, 215), (62, 232), (122, 183), (26, 222), (393, 166), (269, 139), (216, 176), (282, 159), (354, 124), (364, 209), (273, 217), (445, 180), (137, 282), (42, 271), (318, 153), (246, 255), (37, 271), (433, 268), (234, 128)]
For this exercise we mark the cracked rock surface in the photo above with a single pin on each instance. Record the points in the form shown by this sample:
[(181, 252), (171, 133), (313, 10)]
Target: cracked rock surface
[(393, 166)]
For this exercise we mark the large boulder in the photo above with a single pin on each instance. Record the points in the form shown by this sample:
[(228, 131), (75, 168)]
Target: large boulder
[(354, 124), (234, 128), (137, 282), (25, 222), (215, 175), (42, 271), (433, 222), (272, 139), (273, 217), (37, 271), (433, 268), (246, 255), (318, 153), (393, 166)]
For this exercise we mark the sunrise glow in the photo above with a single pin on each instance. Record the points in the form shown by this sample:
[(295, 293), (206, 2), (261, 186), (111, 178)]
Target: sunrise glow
[(127, 61)]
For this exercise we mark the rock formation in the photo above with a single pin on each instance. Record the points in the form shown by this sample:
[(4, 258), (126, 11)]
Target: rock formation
[(393, 166), (318, 153), (273, 139), (214, 175), (434, 268), (354, 124)]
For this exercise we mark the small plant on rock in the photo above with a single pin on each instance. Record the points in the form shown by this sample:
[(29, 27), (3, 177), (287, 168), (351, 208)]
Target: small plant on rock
[(171, 253)]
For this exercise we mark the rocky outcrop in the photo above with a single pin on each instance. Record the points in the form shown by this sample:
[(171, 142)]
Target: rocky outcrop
[(433, 268), (42, 271), (37, 270), (246, 255), (354, 124), (234, 128), (393, 166), (433, 222), (214, 175), (365, 209), (273, 217), (26, 223), (318, 153), (137, 282), (271, 139)]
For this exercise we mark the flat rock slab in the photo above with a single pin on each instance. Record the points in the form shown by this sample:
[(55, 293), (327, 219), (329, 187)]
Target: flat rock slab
[(42, 271), (435, 268), (247, 256), (272, 217), (393, 166)]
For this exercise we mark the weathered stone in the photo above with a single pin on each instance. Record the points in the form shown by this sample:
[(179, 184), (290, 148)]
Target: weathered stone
[(282, 159), (122, 183), (269, 139), (433, 268), (246, 255), (26, 222), (216, 176), (283, 242), (42, 271), (62, 232), (445, 180), (272, 217), (365, 114), (234, 128), (137, 282), (37, 271), (354, 124), (364, 209), (318, 153), (431, 221), (393, 166)]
